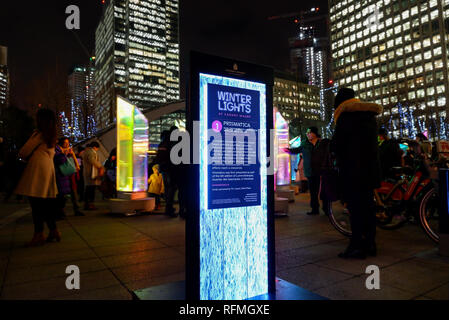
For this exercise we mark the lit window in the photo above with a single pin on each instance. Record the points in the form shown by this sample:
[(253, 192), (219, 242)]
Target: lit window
[(439, 64), (437, 51), (434, 14)]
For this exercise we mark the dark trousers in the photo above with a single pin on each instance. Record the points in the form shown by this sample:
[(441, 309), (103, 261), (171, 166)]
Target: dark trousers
[(89, 195), (363, 217), (157, 197), (314, 187), (182, 197), (80, 185), (61, 202), (170, 189), (43, 210), (303, 186)]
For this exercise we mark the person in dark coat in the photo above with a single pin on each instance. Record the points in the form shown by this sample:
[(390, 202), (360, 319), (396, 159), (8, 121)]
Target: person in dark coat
[(357, 155), (63, 182), (390, 154), (314, 150), (167, 170), (110, 179)]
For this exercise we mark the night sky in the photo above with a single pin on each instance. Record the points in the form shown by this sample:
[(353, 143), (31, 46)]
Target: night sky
[(40, 46)]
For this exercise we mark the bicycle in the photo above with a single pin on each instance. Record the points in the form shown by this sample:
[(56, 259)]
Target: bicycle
[(412, 194)]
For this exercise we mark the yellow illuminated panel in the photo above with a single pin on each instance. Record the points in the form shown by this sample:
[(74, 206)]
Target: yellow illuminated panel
[(132, 147)]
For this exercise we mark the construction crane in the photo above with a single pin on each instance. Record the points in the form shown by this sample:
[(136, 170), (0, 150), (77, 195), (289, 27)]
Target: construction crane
[(302, 18)]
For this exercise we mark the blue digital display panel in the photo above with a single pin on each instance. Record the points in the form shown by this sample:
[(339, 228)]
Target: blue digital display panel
[(233, 172), (233, 229)]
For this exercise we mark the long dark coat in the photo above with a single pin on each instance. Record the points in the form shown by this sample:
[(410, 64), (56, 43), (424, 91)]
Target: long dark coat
[(355, 145)]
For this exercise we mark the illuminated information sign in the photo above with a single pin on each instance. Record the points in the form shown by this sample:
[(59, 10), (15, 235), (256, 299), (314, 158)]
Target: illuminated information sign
[(232, 217), (233, 114)]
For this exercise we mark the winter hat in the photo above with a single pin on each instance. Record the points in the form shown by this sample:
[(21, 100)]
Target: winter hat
[(314, 130), (343, 95)]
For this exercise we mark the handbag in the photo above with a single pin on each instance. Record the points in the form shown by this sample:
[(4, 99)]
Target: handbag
[(68, 168), (22, 163)]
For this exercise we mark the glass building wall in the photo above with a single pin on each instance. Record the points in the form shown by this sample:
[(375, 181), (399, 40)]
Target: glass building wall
[(395, 53)]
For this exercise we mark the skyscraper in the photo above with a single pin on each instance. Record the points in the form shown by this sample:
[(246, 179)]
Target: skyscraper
[(309, 58), (395, 53), (4, 78), (137, 55), (81, 85)]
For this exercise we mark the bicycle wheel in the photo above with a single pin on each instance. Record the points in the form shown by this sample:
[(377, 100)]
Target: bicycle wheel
[(340, 218), (428, 214), (388, 215)]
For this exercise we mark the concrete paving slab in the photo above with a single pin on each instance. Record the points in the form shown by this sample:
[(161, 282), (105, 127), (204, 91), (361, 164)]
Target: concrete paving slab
[(355, 266), (151, 282), (111, 240), (172, 241), (36, 258), (301, 256), (355, 289), (142, 257), (127, 248), (306, 241), (410, 275), (142, 271), (312, 277), (110, 293), (441, 293), (52, 288), (36, 273)]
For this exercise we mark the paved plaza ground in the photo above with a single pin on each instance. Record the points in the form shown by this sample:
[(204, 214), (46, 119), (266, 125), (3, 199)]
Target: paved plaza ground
[(117, 255)]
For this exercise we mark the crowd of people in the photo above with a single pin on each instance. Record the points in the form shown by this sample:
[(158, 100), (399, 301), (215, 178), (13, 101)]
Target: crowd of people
[(363, 154), (352, 164), (52, 172)]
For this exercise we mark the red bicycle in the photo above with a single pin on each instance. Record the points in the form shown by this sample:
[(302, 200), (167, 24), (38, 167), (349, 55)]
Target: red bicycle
[(412, 195)]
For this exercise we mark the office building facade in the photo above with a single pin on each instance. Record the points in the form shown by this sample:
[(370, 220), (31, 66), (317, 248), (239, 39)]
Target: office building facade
[(137, 55), (4, 78), (81, 86), (294, 99), (395, 53)]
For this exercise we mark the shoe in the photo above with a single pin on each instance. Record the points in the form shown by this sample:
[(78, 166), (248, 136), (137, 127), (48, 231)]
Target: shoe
[(38, 240), (370, 250), (54, 235), (352, 253), (313, 213), (172, 214), (90, 207), (79, 214), (182, 214)]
